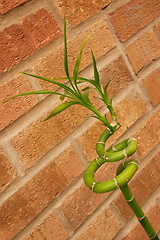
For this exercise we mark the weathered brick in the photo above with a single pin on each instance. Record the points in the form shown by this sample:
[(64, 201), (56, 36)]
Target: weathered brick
[(144, 183), (7, 172), (100, 41), (104, 226), (21, 40), (17, 211), (69, 164), (138, 233), (78, 11), (152, 85), (149, 135), (133, 16), (128, 112), (158, 27), (79, 205), (143, 51), (51, 228), (7, 5), (119, 75), (13, 109)]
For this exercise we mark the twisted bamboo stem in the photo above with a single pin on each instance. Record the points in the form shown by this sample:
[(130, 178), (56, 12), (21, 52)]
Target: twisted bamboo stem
[(124, 174)]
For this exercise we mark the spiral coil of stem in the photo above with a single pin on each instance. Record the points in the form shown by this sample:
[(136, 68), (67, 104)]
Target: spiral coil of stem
[(125, 171)]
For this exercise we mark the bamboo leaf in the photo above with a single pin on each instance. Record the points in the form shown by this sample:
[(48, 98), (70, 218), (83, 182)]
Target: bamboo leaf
[(78, 61), (105, 88), (91, 81), (52, 81), (85, 97), (65, 50), (33, 93), (61, 108), (86, 88), (96, 74)]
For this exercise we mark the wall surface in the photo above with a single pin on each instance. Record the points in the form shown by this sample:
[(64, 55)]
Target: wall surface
[(43, 196)]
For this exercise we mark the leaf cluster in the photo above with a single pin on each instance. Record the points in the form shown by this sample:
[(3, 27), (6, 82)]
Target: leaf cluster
[(73, 92)]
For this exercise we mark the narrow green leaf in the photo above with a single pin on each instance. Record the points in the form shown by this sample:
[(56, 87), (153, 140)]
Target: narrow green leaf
[(86, 88), (96, 74), (33, 93), (61, 108), (65, 50), (85, 97), (95, 117), (91, 81), (52, 81), (78, 61), (105, 88)]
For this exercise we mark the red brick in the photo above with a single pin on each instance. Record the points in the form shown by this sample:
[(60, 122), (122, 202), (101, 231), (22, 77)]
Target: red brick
[(15, 108), (143, 51), (128, 112), (7, 5), (144, 183), (119, 75), (69, 164), (152, 86), (78, 11), (23, 206), (149, 135), (50, 228), (7, 172), (21, 40), (138, 233), (158, 27), (81, 204), (100, 41), (133, 16), (104, 226)]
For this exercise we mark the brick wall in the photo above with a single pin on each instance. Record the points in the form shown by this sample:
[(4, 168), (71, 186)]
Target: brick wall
[(42, 163)]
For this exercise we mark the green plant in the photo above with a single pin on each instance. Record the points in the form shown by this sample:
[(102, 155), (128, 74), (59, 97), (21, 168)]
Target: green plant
[(122, 150)]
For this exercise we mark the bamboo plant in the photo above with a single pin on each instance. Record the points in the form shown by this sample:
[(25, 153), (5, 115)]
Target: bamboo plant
[(126, 148)]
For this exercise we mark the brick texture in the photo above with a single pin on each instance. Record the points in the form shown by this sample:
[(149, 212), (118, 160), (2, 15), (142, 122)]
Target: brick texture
[(100, 43), (149, 135), (15, 108), (78, 11), (143, 184), (81, 204), (7, 172), (31, 199), (21, 40), (104, 226), (133, 16), (158, 27), (69, 164), (51, 228), (143, 51), (119, 75), (7, 5), (152, 85)]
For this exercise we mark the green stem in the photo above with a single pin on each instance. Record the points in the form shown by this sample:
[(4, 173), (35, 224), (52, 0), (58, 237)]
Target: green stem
[(124, 174), (132, 202)]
